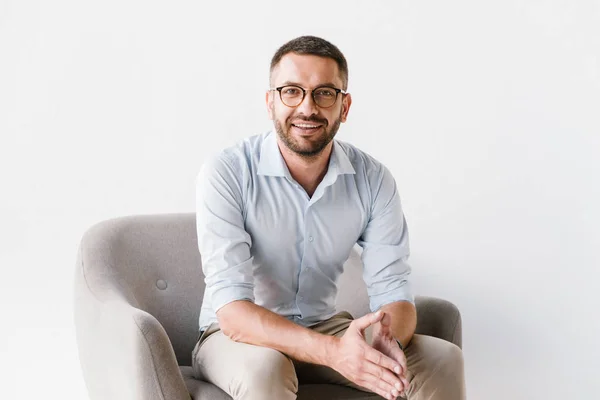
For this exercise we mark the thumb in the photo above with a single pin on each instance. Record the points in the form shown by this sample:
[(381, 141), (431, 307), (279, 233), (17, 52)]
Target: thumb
[(386, 321), (364, 322)]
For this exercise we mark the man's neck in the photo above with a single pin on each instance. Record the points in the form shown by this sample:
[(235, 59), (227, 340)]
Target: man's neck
[(307, 171)]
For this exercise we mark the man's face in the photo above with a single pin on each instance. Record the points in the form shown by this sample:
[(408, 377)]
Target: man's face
[(306, 129)]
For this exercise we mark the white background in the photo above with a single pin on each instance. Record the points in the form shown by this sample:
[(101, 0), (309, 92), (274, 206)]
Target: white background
[(486, 112)]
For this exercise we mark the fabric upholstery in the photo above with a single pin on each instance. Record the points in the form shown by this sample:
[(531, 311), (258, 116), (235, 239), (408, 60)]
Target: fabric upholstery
[(138, 291)]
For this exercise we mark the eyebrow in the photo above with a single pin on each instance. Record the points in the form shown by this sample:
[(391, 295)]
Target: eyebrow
[(328, 84)]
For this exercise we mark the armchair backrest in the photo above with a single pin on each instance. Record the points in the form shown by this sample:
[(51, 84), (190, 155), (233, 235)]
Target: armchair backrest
[(153, 263)]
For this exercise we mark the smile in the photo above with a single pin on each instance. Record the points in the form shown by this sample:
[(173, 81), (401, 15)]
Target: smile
[(306, 126)]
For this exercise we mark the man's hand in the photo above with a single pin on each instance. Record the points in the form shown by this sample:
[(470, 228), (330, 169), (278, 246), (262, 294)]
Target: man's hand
[(384, 342), (364, 365)]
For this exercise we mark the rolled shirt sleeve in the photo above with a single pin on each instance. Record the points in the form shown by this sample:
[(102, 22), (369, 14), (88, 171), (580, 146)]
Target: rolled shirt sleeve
[(223, 242), (385, 246)]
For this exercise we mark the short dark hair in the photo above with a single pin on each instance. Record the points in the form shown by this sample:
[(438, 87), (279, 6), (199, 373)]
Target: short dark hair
[(315, 46)]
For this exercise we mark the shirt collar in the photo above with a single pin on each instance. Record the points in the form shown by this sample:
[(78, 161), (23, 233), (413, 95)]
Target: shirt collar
[(340, 160), (271, 161)]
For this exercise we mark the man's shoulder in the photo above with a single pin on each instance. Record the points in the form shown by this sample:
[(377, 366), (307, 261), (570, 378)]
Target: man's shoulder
[(370, 173), (361, 161), (239, 156), (244, 150), (233, 163)]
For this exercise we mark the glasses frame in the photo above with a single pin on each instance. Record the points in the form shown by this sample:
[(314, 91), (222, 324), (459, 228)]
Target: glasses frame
[(312, 91)]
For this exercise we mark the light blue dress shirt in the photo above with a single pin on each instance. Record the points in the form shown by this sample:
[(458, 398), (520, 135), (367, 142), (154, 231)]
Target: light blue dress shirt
[(263, 239)]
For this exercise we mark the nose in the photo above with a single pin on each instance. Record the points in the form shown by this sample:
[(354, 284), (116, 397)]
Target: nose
[(308, 106)]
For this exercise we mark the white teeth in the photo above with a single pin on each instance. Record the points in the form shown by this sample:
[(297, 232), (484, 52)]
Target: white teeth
[(305, 126)]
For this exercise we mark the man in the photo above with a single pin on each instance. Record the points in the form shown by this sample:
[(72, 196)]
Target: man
[(277, 216)]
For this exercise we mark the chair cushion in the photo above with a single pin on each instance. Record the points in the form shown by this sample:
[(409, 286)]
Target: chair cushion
[(332, 392), (201, 390)]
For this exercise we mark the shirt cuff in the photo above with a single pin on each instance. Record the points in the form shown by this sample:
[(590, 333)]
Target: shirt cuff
[(225, 295)]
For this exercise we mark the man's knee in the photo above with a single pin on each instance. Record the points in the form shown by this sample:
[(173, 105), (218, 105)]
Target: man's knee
[(271, 377), (449, 370), (437, 367), (455, 355), (450, 358), (427, 352)]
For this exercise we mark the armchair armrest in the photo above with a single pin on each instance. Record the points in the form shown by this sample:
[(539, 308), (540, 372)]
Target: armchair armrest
[(439, 318), (124, 352)]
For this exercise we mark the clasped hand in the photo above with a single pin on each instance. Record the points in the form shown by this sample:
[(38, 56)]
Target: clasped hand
[(379, 367)]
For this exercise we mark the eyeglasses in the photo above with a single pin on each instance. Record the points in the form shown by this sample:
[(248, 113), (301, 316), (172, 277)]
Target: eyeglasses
[(293, 96)]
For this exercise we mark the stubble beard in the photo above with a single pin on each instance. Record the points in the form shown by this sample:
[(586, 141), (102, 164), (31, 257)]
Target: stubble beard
[(315, 147)]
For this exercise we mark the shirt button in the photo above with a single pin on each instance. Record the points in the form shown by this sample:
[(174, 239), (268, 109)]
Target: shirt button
[(310, 238)]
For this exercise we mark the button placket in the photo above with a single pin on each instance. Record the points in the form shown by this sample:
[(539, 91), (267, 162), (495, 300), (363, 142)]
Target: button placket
[(306, 261)]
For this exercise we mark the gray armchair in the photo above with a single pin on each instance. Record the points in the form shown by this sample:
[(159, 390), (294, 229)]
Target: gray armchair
[(138, 291)]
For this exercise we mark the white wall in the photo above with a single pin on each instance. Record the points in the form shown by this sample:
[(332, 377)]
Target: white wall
[(486, 112)]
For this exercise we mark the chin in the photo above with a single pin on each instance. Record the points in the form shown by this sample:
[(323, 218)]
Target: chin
[(305, 145)]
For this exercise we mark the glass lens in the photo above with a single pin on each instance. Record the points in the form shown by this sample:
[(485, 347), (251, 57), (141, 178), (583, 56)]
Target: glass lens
[(324, 96), (291, 95)]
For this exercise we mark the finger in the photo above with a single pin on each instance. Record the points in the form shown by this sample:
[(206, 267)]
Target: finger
[(404, 386), (379, 386), (398, 355), (364, 322), (402, 376), (386, 321), (385, 375), (381, 359)]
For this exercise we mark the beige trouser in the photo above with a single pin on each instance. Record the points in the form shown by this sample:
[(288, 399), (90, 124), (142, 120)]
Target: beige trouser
[(248, 372)]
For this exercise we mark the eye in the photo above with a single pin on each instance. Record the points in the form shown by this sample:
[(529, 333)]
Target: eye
[(290, 91), (325, 92)]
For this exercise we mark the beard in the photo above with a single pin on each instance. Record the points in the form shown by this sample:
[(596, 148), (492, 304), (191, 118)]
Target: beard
[(316, 144)]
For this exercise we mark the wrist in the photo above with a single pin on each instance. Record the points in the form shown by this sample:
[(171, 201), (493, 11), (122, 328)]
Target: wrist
[(330, 349)]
